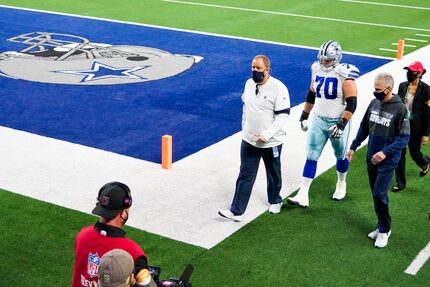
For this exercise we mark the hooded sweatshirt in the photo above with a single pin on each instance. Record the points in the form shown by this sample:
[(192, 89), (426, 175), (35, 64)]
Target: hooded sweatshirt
[(387, 125)]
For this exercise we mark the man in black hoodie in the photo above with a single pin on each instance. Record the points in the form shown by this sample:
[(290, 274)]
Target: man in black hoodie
[(387, 126)]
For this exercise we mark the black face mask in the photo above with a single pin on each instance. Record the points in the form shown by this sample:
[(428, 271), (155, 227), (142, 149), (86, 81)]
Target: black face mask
[(379, 95), (257, 76), (411, 76), (125, 220)]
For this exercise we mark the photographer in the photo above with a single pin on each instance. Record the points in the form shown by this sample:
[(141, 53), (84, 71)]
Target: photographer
[(116, 269), (92, 242)]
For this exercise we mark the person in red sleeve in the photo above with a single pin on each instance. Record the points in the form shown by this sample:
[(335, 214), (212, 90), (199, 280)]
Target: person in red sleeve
[(92, 242)]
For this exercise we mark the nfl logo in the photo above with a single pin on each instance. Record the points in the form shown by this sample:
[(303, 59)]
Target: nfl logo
[(93, 265)]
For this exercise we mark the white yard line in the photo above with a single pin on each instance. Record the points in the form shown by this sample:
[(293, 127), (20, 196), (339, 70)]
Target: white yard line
[(406, 45), (422, 35), (419, 261), (386, 4), (388, 50), (416, 40), (297, 15)]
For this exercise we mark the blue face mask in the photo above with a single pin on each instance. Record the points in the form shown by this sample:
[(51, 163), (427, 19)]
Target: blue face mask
[(379, 95), (257, 76)]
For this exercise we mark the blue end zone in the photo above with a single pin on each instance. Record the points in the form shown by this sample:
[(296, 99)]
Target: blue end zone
[(198, 107)]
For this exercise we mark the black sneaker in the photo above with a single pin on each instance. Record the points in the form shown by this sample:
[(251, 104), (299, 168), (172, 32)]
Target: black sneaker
[(397, 188)]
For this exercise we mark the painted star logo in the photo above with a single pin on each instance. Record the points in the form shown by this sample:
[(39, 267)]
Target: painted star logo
[(101, 71)]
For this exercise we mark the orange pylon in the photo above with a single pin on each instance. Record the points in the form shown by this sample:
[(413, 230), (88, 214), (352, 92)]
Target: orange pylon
[(400, 49), (166, 152)]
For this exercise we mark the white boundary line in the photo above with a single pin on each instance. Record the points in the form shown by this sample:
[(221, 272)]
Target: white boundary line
[(419, 261), (188, 31), (388, 50), (386, 4), (297, 15)]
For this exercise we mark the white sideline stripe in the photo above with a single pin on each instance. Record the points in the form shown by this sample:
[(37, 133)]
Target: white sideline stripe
[(416, 40), (186, 30), (386, 4), (419, 261), (389, 50), (422, 35), (406, 45), (297, 15)]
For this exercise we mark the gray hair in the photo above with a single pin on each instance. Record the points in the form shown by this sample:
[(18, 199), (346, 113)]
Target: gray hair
[(386, 78), (265, 59)]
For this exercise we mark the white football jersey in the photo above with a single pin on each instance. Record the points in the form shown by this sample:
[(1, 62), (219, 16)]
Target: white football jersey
[(329, 100)]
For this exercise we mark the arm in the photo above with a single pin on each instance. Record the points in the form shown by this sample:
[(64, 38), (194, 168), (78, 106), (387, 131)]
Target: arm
[(350, 93), (426, 123), (401, 138), (362, 133), (140, 263), (281, 114), (243, 115), (310, 98), (309, 104)]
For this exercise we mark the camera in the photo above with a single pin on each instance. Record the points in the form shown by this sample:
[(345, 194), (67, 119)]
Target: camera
[(183, 281)]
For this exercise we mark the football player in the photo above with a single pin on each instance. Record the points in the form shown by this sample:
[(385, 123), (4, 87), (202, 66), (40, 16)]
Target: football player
[(333, 99)]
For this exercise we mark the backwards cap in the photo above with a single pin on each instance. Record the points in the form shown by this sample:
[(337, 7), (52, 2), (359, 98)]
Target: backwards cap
[(113, 197)]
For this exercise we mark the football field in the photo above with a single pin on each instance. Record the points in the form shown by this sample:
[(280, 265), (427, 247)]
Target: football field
[(67, 133)]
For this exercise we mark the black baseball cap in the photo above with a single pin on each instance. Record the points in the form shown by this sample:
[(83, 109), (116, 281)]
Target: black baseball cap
[(113, 197)]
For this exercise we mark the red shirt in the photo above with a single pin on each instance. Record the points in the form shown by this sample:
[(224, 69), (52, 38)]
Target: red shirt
[(91, 244)]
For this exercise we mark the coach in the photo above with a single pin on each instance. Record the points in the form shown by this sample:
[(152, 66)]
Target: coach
[(266, 107), (386, 124), (92, 242)]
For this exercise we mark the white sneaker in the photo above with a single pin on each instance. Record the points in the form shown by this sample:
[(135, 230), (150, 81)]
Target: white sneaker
[(301, 199), (340, 191), (373, 235), (275, 208), (382, 239), (228, 214)]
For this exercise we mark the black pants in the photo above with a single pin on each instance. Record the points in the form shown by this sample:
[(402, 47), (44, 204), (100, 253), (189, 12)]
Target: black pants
[(380, 178), (417, 156), (249, 161)]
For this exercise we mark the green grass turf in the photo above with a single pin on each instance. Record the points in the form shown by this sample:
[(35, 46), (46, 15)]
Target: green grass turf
[(280, 28), (37, 243), (324, 245)]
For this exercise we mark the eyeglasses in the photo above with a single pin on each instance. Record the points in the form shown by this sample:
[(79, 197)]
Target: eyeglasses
[(256, 90)]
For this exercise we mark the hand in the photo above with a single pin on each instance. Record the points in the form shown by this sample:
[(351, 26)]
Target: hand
[(378, 157), (143, 278), (304, 125), (304, 121), (350, 155), (424, 140), (335, 132), (261, 138)]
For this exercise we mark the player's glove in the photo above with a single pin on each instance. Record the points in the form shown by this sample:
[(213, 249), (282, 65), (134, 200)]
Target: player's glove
[(304, 121), (336, 130)]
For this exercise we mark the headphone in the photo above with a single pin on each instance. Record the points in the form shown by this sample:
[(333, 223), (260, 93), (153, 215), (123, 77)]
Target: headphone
[(127, 200)]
